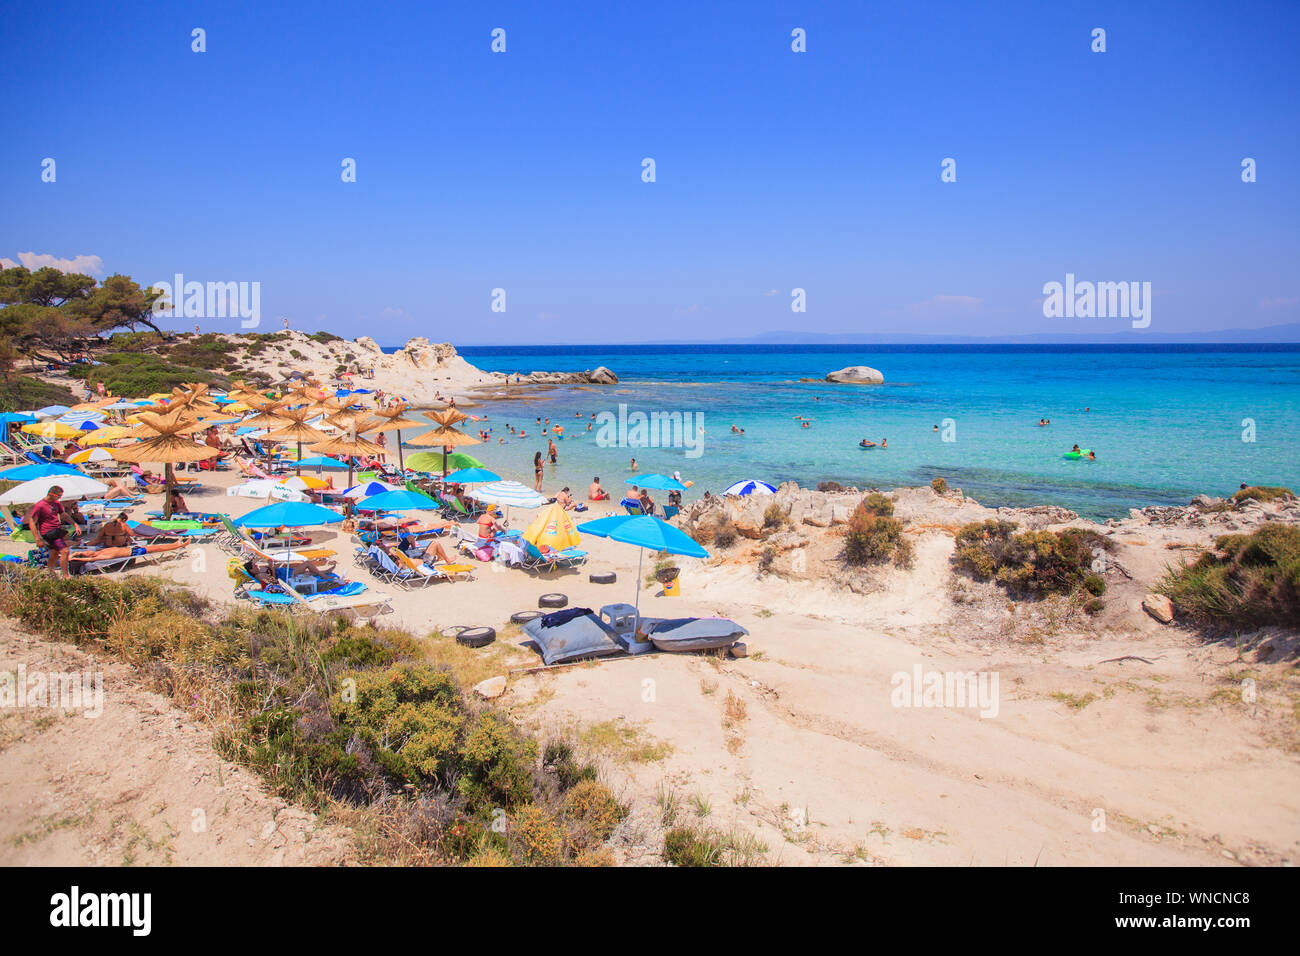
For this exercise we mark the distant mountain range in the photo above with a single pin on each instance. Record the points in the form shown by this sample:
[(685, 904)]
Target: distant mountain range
[(1269, 334)]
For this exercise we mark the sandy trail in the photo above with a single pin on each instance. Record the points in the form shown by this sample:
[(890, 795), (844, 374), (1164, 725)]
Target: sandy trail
[(137, 785)]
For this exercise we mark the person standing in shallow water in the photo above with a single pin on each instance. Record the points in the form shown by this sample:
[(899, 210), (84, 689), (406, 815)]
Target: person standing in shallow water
[(552, 451), (538, 467)]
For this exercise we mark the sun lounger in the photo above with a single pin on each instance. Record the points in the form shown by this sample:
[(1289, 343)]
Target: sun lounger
[(371, 605), (139, 555), (581, 635), (431, 572), (683, 634), (548, 560)]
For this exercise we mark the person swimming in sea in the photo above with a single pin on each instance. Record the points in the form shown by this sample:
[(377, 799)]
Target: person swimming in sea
[(1075, 450), (866, 444)]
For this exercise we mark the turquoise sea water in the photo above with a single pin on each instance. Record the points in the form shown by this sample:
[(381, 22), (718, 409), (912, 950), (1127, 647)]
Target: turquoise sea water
[(1166, 422)]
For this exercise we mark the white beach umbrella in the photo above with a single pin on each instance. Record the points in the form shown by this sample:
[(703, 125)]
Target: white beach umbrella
[(74, 486), (750, 486), (264, 488), (509, 493), (368, 488)]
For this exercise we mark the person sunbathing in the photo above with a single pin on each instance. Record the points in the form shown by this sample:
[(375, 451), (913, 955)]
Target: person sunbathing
[(107, 554), (117, 489)]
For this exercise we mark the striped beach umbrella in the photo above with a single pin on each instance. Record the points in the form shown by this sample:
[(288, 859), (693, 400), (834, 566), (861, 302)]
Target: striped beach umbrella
[(750, 486)]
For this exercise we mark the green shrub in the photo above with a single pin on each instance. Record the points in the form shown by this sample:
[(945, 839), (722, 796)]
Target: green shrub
[(1262, 493), (774, 516), (141, 373), (874, 536), (24, 391), (1252, 581), (1094, 585), (595, 809), (724, 532), (940, 486), (558, 757), (325, 337), (878, 504), (1030, 563), (685, 847)]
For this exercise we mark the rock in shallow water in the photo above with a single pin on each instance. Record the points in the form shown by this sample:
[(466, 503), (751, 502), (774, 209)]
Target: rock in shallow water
[(857, 375)]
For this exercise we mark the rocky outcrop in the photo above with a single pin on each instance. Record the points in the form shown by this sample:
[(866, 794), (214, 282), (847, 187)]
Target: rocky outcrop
[(856, 375), (596, 376)]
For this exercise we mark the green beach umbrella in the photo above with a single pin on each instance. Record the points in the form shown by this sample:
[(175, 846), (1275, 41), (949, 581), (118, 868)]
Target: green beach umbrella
[(432, 461)]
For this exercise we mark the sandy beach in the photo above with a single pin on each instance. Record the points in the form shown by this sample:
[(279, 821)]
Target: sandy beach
[(1116, 739)]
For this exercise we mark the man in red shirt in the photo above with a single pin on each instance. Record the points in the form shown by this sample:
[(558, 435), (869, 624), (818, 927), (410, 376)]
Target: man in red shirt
[(46, 522)]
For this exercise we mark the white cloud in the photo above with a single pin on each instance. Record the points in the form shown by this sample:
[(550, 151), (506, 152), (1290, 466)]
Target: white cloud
[(393, 311), (86, 265), (771, 292)]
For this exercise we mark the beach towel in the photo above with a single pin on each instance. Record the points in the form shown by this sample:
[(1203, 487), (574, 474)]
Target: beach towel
[(564, 617)]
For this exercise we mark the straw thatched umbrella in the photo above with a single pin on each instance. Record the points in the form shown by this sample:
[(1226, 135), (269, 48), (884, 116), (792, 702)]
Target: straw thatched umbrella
[(395, 421), (447, 437), (349, 444), (172, 443), (297, 430)]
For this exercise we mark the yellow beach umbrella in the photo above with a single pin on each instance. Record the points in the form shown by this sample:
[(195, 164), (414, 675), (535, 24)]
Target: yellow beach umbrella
[(303, 483), (102, 436), (51, 430), (90, 454), (554, 528)]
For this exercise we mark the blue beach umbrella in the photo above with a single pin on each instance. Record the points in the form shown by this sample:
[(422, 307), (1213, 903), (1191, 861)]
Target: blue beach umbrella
[(15, 418), (28, 472), (659, 482), (52, 411), (644, 531), (400, 500), (466, 476), (288, 514), (369, 488), (321, 461), (750, 486)]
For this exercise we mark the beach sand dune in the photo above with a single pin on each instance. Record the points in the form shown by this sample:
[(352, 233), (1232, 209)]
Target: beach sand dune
[(801, 746)]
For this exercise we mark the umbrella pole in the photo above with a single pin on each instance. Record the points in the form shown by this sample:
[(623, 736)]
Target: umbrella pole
[(640, 554), (167, 489), (299, 468), (401, 464)]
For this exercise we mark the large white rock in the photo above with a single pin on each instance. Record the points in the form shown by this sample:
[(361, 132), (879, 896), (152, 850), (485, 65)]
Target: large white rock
[(857, 375), (490, 688)]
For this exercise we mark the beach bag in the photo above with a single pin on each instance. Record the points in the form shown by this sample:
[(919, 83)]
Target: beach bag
[(484, 553)]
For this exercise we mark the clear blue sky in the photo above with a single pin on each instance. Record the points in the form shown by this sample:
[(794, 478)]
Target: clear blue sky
[(775, 169)]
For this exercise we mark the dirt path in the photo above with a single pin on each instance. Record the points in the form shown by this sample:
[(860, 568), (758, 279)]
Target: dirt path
[(1083, 763), (137, 785)]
